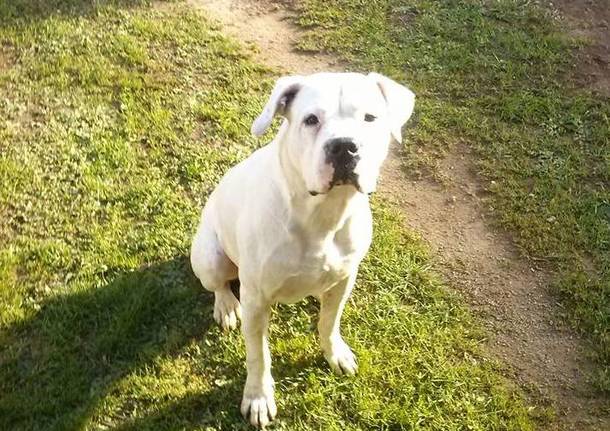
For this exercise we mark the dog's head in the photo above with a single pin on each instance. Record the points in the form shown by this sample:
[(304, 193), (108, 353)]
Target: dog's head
[(339, 126)]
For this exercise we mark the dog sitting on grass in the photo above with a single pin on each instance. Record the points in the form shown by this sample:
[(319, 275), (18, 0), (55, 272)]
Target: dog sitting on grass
[(293, 219)]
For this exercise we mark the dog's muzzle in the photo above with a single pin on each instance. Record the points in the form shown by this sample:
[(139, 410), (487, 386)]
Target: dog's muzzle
[(342, 155)]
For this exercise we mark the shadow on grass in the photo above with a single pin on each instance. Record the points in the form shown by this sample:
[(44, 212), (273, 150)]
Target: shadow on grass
[(29, 10), (60, 364), (216, 409), (57, 366), (193, 412)]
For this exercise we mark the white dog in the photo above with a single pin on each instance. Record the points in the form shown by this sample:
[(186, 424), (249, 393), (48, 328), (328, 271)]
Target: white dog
[(293, 220)]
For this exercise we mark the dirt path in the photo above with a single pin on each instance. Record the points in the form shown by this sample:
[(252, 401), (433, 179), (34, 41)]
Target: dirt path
[(269, 28), (590, 20), (509, 292)]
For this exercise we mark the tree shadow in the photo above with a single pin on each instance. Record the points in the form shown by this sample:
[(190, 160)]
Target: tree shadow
[(58, 364), (12, 11)]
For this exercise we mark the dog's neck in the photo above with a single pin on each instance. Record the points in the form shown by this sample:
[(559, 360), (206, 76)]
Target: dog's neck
[(322, 214)]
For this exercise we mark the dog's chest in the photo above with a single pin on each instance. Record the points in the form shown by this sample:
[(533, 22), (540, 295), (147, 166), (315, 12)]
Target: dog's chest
[(309, 271)]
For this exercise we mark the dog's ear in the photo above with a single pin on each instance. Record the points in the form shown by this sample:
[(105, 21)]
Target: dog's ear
[(400, 101), (283, 93)]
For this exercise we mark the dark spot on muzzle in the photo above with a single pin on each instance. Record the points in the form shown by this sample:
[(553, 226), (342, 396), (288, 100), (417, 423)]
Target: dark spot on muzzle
[(342, 155)]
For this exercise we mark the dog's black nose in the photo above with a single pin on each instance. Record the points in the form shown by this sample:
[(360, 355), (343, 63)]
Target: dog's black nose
[(342, 155), (341, 150)]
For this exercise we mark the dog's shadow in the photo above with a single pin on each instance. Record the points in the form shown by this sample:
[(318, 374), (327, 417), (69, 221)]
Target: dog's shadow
[(57, 365)]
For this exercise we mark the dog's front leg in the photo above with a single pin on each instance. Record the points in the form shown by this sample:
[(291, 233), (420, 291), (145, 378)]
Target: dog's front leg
[(336, 351), (258, 404)]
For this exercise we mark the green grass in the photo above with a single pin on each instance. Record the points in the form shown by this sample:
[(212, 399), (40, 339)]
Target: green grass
[(494, 75), (118, 120)]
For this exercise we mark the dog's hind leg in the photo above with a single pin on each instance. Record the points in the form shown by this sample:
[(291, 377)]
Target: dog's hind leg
[(215, 271)]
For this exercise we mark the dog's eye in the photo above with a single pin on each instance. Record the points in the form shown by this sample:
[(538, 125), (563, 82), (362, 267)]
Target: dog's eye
[(369, 117), (311, 120)]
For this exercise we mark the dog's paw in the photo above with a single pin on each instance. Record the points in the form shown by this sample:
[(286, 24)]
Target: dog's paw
[(258, 407), (341, 359), (227, 310)]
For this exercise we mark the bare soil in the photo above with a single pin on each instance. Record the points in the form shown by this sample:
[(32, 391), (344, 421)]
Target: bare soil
[(268, 27), (510, 293), (589, 20)]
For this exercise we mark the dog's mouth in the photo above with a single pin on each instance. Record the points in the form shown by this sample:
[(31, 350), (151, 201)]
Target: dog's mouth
[(344, 174), (349, 180)]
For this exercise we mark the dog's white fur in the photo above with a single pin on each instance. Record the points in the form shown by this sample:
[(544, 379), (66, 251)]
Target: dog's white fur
[(276, 222)]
